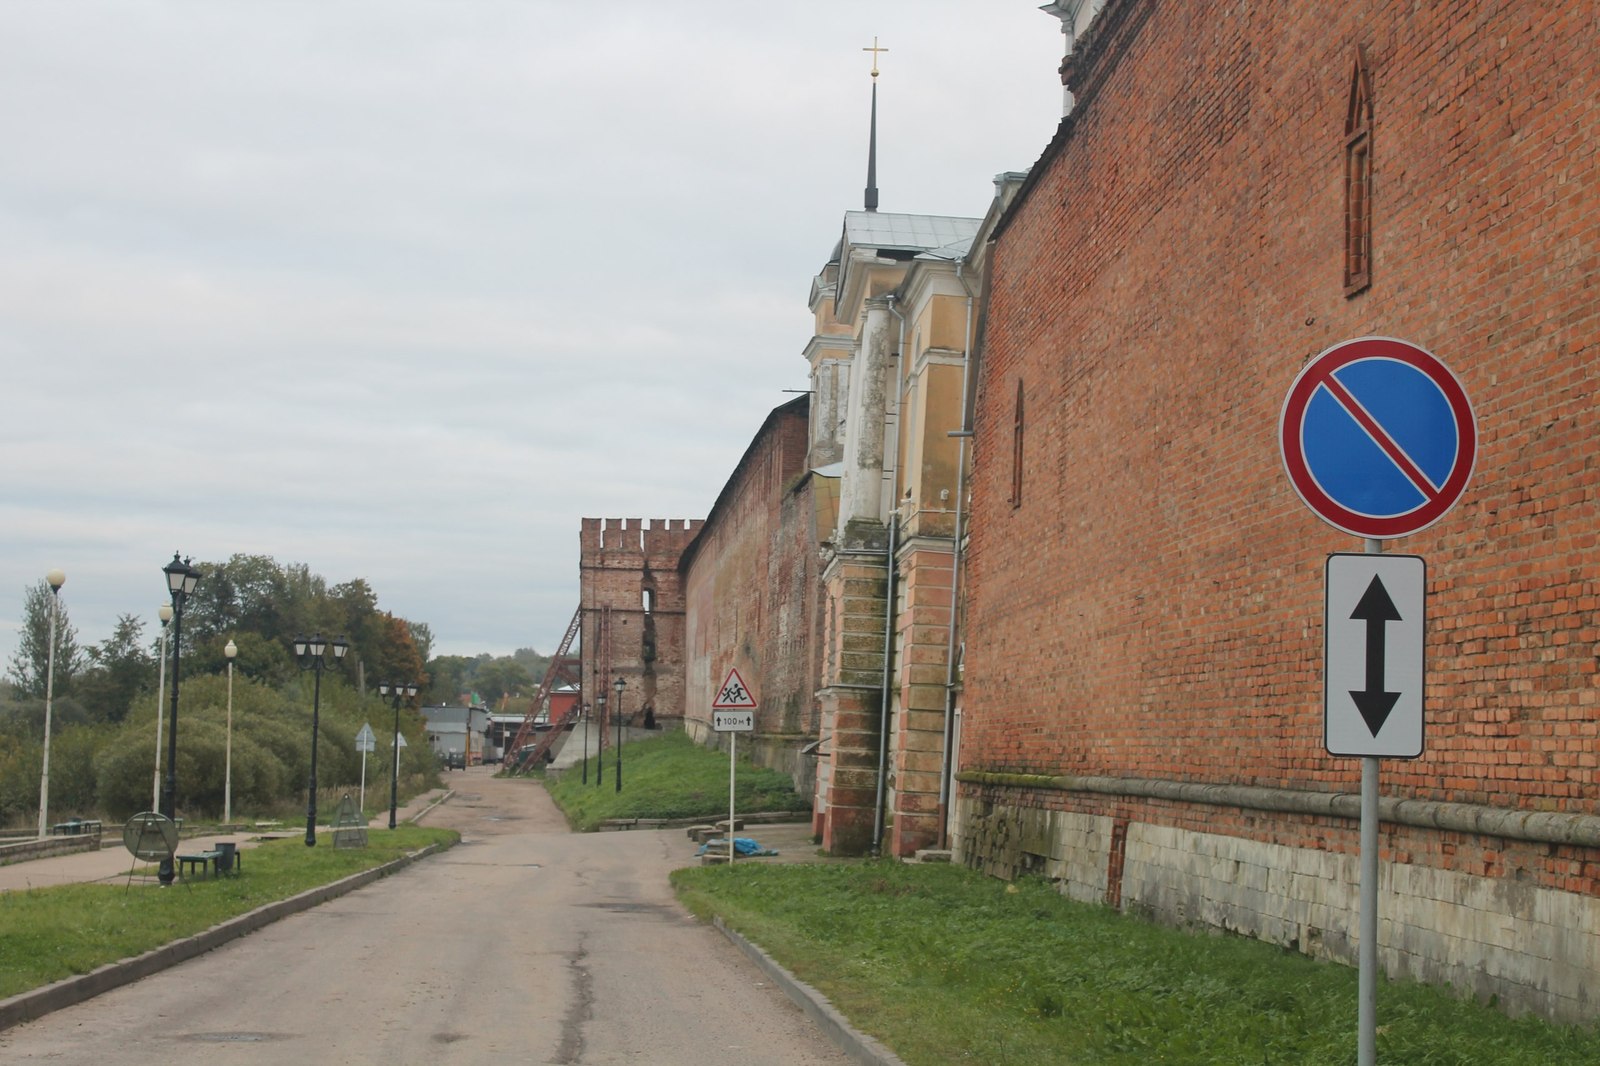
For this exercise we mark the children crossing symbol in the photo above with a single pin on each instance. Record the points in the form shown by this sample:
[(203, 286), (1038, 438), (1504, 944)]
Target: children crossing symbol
[(734, 694)]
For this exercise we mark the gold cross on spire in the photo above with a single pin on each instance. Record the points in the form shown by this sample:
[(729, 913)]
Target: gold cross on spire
[(874, 50)]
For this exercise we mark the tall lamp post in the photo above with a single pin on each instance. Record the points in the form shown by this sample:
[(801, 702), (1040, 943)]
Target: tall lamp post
[(398, 692), (600, 741), (181, 581), (164, 612), (619, 685), (230, 650), (56, 579), (583, 718), (312, 655)]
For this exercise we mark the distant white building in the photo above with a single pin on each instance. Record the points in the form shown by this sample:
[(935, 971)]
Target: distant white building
[(459, 731)]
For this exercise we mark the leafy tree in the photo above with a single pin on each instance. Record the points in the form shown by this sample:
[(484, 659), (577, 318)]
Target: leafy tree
[(450, 677), (537, 665), (499, 678), (394, 655), (422, 637), (248, 593), (121, 667), (29, 664)]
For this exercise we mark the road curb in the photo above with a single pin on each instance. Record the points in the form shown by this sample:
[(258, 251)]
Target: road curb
[(26, 1006), (858, 1045)]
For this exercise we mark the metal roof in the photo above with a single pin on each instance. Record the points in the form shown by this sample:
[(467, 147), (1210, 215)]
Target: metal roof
[(911, 233)]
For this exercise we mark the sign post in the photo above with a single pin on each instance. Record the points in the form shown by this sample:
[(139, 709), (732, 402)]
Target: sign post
[(1379, 439), (366, 742), (733, 712)]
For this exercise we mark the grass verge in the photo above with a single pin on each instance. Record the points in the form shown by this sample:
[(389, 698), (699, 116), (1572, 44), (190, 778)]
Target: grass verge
[(947, 965), (669, 776), (47, 934)]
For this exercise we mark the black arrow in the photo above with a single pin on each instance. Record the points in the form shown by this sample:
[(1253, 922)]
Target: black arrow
[(1376, 609)]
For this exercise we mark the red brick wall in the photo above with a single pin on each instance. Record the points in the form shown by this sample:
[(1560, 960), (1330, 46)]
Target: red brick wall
[(1153, 606), (618, 559), (751, 585)]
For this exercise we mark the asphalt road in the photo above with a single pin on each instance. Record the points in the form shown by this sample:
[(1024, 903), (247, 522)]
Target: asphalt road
[(524, 944)]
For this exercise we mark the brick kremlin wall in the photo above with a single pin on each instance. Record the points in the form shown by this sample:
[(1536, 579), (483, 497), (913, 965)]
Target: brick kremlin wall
[(1150, 608)]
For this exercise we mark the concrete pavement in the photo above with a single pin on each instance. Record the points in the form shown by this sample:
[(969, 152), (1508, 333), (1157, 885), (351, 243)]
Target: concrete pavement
[(597, 963)]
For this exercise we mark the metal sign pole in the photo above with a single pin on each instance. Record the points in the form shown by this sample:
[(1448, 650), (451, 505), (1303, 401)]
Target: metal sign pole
[(733, 748), (1423, 440), (1367, 982)]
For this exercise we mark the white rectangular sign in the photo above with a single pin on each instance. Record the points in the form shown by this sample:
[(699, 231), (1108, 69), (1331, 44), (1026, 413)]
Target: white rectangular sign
[(733, 721), (1375, 631)]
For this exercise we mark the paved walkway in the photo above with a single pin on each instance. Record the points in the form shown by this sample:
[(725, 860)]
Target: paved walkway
[(112, 862)]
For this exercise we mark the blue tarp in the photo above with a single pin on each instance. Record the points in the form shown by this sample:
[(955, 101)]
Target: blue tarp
[(741, 846)]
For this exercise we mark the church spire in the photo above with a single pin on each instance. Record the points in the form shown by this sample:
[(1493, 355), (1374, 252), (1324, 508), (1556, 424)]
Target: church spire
[(871, 203)]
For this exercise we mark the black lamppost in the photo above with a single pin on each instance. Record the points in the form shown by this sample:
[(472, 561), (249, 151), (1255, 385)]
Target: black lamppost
[(312, 656), (181, 581), (619, 685), (600, 743), (398, 692), (584, 721)]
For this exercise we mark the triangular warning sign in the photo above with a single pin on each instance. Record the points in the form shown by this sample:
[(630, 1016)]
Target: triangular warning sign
[(734, 694)]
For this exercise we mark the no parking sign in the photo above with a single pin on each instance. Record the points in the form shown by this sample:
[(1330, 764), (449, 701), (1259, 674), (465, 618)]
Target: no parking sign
[(1378, 437)]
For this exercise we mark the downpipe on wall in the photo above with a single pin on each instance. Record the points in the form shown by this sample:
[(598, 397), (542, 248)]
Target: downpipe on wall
[(962, 435), (889, 585)]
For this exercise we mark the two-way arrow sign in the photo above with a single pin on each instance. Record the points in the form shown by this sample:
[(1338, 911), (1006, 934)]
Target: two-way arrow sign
[(1375, 630)]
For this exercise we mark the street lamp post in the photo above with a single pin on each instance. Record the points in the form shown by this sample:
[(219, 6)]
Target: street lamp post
[(600, 742), (230, 650), (584, 718), (619, 685), (56, 579), (181, 581), (312, 656), (398, 692), (164, 612)]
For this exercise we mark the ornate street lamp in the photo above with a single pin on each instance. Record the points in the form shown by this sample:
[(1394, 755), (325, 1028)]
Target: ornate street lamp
[(312, 655), (164, 612), (181, 581), (398, 692), (619, 685), (56, 579), (230, 650)]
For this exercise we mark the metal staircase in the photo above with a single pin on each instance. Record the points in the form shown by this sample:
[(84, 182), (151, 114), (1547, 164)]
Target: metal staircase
[(562, 666)]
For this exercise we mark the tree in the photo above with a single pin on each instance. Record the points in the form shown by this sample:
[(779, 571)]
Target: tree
[(422, 637), (500, 678), (392, 655), (30, 663), (120, 668), (246, 593), (537, 665), (449, 677)]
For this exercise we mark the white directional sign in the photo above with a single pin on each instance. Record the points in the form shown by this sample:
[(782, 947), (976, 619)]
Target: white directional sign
[(733, 721), (1375, 633), (366, 740)]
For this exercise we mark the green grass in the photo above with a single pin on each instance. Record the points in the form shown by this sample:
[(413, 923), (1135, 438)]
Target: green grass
[(670, 776), (947, 965), (47, 934)]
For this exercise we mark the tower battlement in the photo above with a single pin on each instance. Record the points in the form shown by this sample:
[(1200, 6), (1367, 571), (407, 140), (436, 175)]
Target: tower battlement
[(662, 539)]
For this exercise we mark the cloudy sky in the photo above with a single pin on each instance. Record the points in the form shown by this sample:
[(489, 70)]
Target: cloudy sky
[(401, 290)]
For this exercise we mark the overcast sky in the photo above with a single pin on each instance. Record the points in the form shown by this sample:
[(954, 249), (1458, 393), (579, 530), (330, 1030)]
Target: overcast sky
[(401, 290)]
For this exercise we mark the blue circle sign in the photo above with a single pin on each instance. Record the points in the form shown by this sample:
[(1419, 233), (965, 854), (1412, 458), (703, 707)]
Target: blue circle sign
[(1378, 437)]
